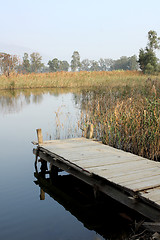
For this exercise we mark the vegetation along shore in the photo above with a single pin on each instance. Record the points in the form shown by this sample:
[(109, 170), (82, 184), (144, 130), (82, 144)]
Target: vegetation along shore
[(75, 79)]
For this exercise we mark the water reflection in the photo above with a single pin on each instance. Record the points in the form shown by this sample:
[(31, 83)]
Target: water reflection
[(13, 101), (53, 110), (102, 215), (23, 216)]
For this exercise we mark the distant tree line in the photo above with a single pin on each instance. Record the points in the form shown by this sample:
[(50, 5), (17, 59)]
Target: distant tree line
[(124, 63), (147, 61), (33, 63)]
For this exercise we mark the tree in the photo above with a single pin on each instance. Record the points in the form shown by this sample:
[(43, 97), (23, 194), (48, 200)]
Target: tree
[(85, 65), (26, 67), (94, 66), (8, 63), (36, 62), (148, 61), (125, 63), (105, 64), (75, 62), (133, 63), (57, 65), (153, 40), (63, 66), (53, 65)]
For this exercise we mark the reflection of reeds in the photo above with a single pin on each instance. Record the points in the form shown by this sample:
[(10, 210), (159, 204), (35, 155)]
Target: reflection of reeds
[(127, 119), (72, 79), (66, 126)]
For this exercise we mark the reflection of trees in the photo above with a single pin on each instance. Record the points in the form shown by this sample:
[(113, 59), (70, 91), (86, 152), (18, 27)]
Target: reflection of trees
[(27, 99), (37, 98), (15, 100), (9, 104)]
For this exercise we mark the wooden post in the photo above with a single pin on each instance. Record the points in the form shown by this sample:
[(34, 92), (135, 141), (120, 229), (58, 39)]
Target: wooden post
[(53, 172), (39, 136), (89, 131), (42, 194)]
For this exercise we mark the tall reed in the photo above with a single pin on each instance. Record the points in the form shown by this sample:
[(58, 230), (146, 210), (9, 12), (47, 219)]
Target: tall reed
[(126, 118)]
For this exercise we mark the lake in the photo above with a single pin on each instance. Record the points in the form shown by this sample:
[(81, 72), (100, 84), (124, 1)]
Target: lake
[(23, 214)]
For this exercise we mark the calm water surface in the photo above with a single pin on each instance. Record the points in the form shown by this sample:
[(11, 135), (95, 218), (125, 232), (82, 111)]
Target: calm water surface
[(22, 214)]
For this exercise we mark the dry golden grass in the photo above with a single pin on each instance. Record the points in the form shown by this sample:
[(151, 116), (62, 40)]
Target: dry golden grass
[(126, 118), (73, 79)]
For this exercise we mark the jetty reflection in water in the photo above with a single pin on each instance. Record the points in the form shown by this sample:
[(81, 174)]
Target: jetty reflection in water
[(101, 214)]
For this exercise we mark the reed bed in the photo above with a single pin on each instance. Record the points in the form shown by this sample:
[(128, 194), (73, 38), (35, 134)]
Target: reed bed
[(126, 118), (72, 79)]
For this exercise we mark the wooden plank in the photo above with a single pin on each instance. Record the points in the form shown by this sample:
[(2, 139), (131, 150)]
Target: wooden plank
[(150, 183), (109, 164), (141, 180), (85, 151), (123, 168), (132, 177), (71, 141), (158, 202), (86, 148), (115, 173), (58, 144), (84, 154), (113, 161), (67, 145), (151, 194)]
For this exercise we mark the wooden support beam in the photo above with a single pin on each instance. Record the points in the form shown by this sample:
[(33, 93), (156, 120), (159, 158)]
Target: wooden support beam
[(152, 226), (54, 171), (39, 136)]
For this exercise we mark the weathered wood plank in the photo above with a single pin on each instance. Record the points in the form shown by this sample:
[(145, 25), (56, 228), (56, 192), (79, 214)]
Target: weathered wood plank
[(140, 175), (110, 164), (151, 194), (120, 169), (138, 186), (114, 173)]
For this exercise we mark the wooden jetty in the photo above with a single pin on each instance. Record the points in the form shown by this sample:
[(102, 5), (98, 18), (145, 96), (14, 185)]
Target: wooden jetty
[(132, 180)]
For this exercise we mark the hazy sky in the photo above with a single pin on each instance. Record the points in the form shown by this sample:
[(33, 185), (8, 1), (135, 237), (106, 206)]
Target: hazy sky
[(95, 28)]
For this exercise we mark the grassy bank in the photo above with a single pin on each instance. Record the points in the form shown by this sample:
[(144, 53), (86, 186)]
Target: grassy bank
[(73, 79)]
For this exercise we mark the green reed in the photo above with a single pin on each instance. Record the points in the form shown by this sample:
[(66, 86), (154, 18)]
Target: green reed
[(126, 118)]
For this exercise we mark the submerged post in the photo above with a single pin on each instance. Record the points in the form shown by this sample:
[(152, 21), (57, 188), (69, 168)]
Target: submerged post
[(89, 131), (42, 194), (39, 136)]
